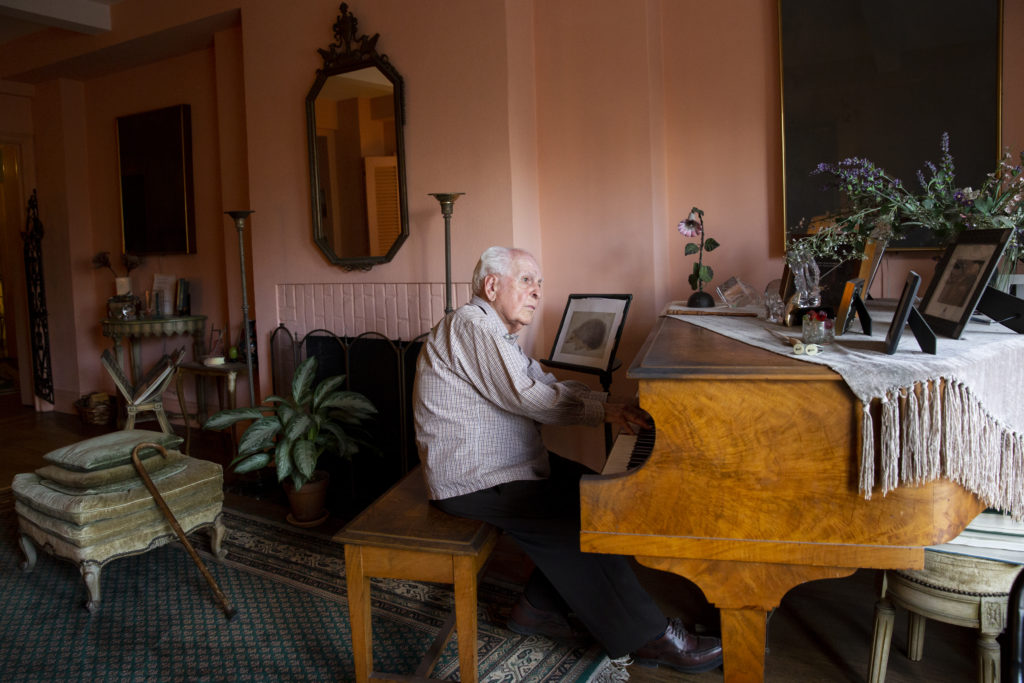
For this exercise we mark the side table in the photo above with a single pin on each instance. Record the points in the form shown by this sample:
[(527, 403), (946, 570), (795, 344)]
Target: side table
[(135, 330), (228, 372)]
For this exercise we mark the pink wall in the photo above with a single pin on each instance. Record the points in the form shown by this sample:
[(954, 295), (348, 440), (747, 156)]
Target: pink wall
[(580, 129)]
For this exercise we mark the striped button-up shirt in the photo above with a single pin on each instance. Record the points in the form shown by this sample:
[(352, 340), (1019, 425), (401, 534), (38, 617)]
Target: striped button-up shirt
[(479, 402)]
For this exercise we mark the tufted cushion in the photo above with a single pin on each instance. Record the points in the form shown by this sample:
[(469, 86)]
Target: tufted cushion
[(109, 450), (131, 481), (200, 476), (110, 478)]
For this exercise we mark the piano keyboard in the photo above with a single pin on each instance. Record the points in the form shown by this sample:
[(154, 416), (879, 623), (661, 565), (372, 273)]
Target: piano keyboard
[(629, 451)]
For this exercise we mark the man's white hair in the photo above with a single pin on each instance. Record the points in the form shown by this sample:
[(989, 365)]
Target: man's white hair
[(494, 261)]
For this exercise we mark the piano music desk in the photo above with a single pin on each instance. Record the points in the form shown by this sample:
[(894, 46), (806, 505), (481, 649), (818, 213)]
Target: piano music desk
[(752, 486)]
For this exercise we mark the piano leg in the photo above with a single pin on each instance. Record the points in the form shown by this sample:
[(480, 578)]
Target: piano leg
[(744, 592)]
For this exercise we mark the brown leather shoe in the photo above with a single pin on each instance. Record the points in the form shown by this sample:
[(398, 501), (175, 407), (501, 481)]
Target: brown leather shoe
[(528, 620), (681, 650)]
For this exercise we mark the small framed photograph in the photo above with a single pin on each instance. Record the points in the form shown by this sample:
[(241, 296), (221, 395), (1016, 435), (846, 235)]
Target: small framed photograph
[(589, 333), (902, 314), (847, 311), (960, 279)]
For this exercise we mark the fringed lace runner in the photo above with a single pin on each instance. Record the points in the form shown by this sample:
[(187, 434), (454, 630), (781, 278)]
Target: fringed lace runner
[(957, 414)]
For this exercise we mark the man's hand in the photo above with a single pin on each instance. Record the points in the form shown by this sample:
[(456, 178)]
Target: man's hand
[(629, 417)]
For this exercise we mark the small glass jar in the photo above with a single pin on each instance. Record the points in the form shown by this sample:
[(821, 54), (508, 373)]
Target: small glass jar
[(818, 331), (122, 307)]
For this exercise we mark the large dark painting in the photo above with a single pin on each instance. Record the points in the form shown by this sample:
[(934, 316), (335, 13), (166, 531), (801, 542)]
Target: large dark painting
[(883, 80), (155, 162)]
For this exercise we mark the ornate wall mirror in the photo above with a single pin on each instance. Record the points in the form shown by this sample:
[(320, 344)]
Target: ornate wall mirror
[(354, 117)]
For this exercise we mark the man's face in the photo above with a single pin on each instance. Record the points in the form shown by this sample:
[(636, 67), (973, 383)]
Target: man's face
[(516, 295)]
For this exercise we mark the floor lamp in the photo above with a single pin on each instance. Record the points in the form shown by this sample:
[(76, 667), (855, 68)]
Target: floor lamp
[(447, 200), (239, 218)]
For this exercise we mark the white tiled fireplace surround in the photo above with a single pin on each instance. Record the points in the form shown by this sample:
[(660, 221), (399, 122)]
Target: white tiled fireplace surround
[(396, 310)]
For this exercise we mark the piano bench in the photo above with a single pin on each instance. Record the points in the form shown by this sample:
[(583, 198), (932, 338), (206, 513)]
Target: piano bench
[(956, 589), (402, 536)]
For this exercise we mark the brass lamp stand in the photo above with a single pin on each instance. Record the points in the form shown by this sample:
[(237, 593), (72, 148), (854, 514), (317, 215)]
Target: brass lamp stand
[(447, 200), (239, 218)]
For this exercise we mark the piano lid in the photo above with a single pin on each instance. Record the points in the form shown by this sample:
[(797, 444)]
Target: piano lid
[(677, 349)]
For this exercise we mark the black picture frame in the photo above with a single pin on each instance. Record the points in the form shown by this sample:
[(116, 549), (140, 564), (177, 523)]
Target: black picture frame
[(154, 151), (885, 95), (589, 332), (960, 279), (847, 309), (902, 314)]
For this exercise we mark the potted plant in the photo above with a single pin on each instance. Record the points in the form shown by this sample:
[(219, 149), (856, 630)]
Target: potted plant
[(693, 226), (291, 433)]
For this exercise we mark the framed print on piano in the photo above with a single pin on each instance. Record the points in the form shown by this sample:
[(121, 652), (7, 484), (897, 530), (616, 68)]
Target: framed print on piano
[(589, 333), (961, 277)]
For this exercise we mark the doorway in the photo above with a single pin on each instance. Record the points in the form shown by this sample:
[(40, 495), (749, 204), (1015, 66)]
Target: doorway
[(15, 374)]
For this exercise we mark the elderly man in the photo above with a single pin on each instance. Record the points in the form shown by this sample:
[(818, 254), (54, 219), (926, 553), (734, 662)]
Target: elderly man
[(479, 401)]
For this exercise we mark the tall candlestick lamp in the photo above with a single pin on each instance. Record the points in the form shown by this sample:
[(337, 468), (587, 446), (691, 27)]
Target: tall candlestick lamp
[(239, 218), (447, 200)]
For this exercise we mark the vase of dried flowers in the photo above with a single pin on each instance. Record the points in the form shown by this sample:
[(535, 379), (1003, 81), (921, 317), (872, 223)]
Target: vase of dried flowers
[(123, 305)]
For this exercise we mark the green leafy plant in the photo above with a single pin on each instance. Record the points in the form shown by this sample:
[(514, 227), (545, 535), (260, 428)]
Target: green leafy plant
[(291, 433), (693, 226)]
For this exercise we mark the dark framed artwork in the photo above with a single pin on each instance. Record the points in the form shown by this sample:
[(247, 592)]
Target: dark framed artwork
[(589, 332), (154, 151), (873, 80), (960, 279)]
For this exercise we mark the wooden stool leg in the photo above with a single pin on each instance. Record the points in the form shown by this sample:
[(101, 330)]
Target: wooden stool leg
[(991, 622), (359, 613), (915, 637), (880, 642), (180, 388), (989, 661), (465, 617)]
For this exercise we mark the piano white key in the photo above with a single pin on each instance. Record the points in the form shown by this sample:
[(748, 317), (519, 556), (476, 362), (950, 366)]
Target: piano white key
[(618, 457)]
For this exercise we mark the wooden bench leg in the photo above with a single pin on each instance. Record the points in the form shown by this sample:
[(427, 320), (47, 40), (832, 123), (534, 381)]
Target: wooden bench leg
[(465, 617), (359, 613)]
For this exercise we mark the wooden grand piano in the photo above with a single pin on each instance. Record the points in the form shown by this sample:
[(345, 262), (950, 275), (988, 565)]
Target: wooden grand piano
[(752, 485)]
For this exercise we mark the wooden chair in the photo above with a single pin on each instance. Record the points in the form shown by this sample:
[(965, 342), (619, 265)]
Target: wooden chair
[(147, 394), (402, 536)]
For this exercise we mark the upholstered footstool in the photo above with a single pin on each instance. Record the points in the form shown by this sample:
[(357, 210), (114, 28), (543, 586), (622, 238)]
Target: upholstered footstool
[(966, 582), (88, 505)]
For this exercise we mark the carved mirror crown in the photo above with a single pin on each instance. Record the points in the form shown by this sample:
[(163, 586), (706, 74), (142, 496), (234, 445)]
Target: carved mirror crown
[(355, 112)]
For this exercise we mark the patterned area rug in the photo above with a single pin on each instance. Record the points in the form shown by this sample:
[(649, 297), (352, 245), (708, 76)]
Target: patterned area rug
[(158, 619)]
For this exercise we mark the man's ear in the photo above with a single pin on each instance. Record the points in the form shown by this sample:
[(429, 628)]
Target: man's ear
[(491, 287)]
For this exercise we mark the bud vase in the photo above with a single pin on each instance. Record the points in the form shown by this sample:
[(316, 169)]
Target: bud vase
[(700, 299)]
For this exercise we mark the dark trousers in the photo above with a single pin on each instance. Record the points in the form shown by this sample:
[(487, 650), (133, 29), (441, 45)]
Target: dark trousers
[(543, 517)]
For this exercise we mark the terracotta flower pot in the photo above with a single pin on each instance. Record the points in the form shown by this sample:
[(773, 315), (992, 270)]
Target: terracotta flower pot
[(307, 502)]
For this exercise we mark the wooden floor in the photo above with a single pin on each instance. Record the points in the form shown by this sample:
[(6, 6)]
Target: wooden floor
[(821, 632)]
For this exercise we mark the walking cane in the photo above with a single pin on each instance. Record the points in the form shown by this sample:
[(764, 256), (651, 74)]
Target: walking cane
[(229, 611)]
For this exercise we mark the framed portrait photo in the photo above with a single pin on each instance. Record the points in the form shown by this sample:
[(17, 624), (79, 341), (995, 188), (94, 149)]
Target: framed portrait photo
[(960, 279), (589, 333)]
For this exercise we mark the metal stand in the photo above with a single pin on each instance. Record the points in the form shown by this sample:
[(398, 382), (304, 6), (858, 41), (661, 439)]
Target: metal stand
[(239, 218), (447, 200)]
